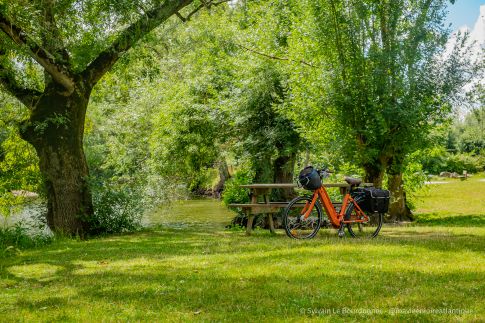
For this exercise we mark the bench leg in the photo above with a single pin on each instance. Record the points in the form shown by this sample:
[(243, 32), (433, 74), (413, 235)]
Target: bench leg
[(249, 226), (270, 222)]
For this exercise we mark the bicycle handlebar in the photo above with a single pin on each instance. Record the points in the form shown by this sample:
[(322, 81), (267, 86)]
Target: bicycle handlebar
[(324, 172)]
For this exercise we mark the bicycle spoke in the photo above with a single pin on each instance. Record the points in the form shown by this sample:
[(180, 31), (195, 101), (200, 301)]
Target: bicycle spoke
[(299, 228), (368, 229)]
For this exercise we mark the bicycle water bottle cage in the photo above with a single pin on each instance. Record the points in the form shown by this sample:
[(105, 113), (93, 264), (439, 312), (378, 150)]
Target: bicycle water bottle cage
[(310, 179)]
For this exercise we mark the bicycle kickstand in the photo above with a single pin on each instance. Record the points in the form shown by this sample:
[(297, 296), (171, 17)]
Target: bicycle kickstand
[(341, 232)]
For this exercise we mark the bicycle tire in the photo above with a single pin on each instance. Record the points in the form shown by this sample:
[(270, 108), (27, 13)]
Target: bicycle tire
[(370, 229), (292, 218)]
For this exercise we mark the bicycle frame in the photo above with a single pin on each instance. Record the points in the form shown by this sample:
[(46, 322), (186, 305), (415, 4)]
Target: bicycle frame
[(336, 219)]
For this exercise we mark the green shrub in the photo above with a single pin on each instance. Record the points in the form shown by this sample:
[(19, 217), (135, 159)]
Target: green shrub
[(117, 209), (414, 180), (460, 162), (434, 160), (232, 192), (19, 236), (437, 160)]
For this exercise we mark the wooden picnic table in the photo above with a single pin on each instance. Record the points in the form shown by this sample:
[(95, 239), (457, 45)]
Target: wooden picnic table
[(267, 207)]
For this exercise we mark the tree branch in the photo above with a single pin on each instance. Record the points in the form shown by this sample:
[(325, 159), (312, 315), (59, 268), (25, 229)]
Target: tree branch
[(50, 22), (59, 73), (26, 96), (208, 5), (128, 37), (276, 57)]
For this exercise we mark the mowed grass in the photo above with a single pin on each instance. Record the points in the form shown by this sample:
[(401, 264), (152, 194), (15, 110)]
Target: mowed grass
[(453, 202), (192, 268)]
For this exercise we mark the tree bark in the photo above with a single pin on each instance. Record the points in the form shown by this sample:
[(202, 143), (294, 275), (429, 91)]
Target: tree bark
[(55, 129), (223, 177), (374, 173), (283, 168), (398, 210), (263, 172)]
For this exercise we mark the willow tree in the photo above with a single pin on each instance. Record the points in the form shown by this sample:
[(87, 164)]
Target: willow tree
[(53, 52), (385, 82)]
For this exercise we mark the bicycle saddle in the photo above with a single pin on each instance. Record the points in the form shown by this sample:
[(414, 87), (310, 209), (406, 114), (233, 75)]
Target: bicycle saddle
[(353, 181)]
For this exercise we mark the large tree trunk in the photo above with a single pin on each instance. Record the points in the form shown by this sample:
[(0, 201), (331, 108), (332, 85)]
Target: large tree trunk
[(374, 173), (283, 168), (263, 173), (55, 129), (398, 210), (223, 177)]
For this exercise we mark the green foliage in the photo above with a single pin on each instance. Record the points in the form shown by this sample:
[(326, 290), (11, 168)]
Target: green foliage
[(17, 237), (378, 89), (434, 160), (117, 209), (414, 179), (460, 162), (468, 136), (233, 193), (437, 160), (57, 120), (358, 83), (19, 168), (191, 134), (263, 133)]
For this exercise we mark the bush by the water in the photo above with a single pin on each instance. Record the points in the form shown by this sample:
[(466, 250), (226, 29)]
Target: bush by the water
[(233, 193), (116, 209)]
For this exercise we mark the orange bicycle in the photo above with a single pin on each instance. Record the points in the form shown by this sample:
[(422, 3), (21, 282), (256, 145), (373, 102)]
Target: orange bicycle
[(361, 213)]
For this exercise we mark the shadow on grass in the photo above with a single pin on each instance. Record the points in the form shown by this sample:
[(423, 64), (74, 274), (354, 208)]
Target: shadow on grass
[(434, 219), (222, 275)]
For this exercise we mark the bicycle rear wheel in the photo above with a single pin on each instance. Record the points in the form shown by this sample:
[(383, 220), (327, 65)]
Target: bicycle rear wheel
[(368, 229), (295, 226)]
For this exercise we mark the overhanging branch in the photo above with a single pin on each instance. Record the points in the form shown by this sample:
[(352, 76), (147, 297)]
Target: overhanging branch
[(128, 37), (26, 96), (59, 73), (207, 4)]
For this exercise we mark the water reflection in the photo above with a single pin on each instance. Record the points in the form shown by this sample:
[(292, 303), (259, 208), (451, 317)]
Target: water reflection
[(191, 213)]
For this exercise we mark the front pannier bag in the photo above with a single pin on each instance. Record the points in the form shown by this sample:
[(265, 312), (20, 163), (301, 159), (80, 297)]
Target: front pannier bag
[(374, 199), (310, 179)]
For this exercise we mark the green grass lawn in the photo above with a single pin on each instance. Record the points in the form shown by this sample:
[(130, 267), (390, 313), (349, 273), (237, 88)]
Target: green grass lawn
[(191, 268), (454, 202)]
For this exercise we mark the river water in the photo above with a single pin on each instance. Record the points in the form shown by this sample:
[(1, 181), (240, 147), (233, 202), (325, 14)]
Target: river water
[(176, 214)]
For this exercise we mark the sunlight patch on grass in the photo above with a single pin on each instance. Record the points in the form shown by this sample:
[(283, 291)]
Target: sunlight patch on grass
[(41, 271)]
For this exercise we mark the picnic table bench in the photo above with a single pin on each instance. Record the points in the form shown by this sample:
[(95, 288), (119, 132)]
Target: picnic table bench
[(268, 207)]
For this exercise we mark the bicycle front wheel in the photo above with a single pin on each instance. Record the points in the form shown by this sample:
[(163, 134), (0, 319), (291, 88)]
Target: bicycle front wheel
[(296, 226), (368, 229)]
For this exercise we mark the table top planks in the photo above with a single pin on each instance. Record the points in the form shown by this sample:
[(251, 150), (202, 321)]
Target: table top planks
[(290, 185)]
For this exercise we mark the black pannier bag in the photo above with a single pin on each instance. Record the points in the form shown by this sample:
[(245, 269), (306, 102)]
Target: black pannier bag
[(374, 199), (310, 179)]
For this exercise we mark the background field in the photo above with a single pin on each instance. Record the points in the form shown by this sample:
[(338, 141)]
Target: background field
[(191, 267)]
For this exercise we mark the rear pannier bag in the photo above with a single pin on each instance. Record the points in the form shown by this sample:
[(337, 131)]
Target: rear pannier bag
[(374, 199), (310, 179)]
